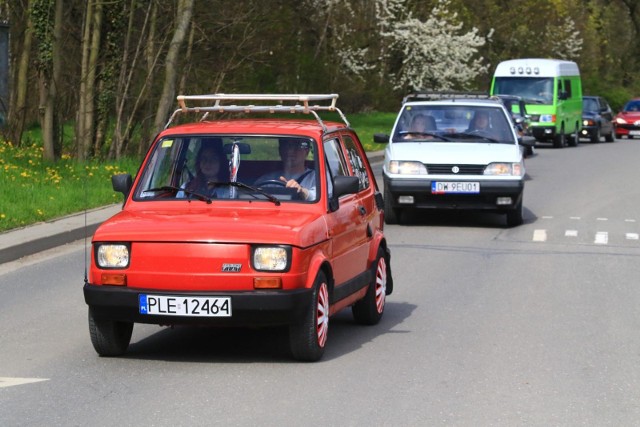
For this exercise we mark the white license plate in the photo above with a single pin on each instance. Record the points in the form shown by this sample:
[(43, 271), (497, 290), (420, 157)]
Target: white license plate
[(176, 305), (634, 132), (460, 187)]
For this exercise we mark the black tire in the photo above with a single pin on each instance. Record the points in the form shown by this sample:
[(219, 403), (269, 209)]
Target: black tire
[(573, 140), (308, 337), (391, 214), (595, 136), (609, 137), (109, 338), (515, 215), (560, 140), (369, 310), (618, 136)]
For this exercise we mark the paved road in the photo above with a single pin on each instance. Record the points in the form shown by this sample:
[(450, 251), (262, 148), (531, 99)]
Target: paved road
[(487, 326)]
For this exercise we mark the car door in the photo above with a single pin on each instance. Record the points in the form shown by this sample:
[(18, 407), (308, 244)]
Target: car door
[(607, 116), (347, 223)]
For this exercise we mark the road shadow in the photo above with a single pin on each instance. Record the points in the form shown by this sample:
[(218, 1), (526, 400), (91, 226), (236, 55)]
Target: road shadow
[(257, 345)]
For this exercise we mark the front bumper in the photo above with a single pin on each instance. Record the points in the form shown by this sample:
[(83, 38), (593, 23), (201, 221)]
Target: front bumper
[(424, 199), (254, 308), (542, 133)]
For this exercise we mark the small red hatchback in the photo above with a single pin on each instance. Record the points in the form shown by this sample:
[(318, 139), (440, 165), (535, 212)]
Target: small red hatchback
[(243, 222)]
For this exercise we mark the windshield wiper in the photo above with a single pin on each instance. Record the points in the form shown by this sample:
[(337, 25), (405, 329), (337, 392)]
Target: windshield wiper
[(178, 189), (432, 134), (242, 185), (474, 135)]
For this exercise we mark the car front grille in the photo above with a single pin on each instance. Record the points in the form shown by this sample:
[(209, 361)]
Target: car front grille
[(437, 169)]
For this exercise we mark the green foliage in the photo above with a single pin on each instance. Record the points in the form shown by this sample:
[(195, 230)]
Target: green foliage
[(43, 190)]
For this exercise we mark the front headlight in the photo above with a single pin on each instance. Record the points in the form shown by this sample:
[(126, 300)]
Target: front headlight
[(112, 255), (271, 258), (588, 122), (620, 120), (407, 168), (547, 118), (504, 169)]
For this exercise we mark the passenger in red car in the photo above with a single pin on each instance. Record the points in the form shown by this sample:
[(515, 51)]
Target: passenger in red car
[(211, 167)]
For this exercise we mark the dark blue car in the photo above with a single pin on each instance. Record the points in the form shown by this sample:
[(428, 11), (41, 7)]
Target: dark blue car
[(597, 119)]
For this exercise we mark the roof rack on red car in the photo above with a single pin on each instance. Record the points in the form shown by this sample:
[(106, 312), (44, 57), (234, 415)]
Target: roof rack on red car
[(246, 103), (438, 95)]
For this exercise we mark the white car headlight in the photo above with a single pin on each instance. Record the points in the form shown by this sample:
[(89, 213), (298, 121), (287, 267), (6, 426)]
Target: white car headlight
[(407, 168), (547, 118), (505, 169), (620, 120), (113, 255), (271, 258)]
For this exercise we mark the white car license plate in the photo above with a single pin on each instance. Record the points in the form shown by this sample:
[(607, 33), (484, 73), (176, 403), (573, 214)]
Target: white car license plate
[(176, 305), (461, 187), (634, 132)]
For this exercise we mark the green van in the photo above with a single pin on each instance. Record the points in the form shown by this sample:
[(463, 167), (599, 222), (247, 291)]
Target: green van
[(552, 90)]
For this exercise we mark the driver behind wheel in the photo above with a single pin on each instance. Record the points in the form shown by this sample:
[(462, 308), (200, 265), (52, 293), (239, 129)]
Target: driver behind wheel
[(294, 173)]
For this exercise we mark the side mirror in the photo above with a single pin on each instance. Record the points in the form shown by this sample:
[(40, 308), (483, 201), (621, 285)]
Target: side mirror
[(381, 137), (345, 185), (527, 141), (122, 183)]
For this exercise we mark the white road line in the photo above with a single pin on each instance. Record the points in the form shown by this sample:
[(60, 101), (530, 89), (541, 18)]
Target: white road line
[(540, 235), (9, 382), (629, 220), (571, 233), (632, 236), (602, 238), (546, 217), (574, 217), (602, 219)]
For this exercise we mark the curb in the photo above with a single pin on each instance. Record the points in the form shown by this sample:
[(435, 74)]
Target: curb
[(18, 243)]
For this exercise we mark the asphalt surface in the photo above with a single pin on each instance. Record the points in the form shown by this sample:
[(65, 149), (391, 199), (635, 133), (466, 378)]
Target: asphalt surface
[(21, 242)]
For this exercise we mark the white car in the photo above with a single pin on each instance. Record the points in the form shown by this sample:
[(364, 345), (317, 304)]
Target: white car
[(453, 153)]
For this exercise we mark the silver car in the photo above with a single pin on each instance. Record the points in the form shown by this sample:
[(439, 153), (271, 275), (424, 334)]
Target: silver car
[(453, 153)]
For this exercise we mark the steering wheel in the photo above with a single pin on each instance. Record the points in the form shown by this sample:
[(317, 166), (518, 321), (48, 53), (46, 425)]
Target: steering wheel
[(269, 182)]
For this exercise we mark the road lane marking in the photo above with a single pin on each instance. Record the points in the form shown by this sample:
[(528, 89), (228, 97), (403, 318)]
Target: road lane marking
[(10, 382), (540, 235), (602, 219), (602, 238), (571, 233), (574, 217), (629, 220), (632, 236)]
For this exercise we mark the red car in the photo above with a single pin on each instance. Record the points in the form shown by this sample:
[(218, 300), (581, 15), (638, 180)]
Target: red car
[(627, 121), (243, 222)]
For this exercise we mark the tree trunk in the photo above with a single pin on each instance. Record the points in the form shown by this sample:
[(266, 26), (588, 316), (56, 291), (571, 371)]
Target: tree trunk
[(50, 89), (185, 10), (82, 95), (18, 110)]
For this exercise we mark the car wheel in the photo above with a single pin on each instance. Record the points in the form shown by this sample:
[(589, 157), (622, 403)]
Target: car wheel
[(515, 215), (369, 310), (618, 136), (391, 214), (109, 337), (573, 140), (609, 137), (308, 337), (560, 140), (595, 136)]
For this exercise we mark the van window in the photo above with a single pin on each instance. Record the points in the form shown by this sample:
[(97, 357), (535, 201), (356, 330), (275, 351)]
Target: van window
[(567, 88)]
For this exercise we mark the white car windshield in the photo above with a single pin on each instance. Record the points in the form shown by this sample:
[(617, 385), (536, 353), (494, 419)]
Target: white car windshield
[(459, 123)]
